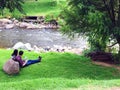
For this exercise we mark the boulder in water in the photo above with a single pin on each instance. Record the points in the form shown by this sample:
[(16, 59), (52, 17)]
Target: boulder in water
[(5, 21), (9, 26), (19, 45)]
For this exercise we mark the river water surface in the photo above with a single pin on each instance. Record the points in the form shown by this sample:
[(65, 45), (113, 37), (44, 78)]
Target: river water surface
[(41, 38)]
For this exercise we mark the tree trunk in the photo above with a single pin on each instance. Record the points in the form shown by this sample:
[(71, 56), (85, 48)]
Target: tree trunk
[(2, 12), (118, 22), (118, 54)]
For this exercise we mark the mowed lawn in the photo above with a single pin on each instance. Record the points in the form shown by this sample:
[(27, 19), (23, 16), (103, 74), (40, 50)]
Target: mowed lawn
[(47, 8), (59, 71), (43, 7)]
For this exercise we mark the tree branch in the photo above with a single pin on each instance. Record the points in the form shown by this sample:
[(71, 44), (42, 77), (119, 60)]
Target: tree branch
[(108, 9), (112, 11), (113, 44), (118, 22)]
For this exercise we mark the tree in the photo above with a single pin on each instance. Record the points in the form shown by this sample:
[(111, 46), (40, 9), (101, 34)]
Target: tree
[(2, 6), (97, 19), (11, 5)]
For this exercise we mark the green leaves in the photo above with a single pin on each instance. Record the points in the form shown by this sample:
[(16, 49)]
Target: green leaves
[(97, 19), (11, 5)]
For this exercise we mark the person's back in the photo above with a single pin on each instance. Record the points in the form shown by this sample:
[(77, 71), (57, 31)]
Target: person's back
[(14, 54), (19, 58)]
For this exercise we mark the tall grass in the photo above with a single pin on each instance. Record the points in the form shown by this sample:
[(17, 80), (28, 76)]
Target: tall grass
[(58, 71)]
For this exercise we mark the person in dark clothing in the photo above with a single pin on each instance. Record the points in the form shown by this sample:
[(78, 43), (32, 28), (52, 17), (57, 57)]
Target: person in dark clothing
[(14, 54), (24, 63)]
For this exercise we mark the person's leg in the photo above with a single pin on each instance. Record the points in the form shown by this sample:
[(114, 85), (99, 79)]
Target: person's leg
[(29, 62)]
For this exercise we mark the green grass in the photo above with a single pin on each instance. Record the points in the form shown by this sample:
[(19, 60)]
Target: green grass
[(39, 8), (58, 71)]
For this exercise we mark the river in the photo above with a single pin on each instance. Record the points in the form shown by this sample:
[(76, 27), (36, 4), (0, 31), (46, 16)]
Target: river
[(39, 37)]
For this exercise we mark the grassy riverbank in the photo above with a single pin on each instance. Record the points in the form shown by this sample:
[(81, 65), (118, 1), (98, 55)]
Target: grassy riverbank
[(59, 71), (43, 7), (48, 8)]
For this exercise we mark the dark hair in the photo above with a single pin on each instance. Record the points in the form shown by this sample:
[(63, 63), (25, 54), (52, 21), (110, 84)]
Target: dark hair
[(21, 52), (15, 52)]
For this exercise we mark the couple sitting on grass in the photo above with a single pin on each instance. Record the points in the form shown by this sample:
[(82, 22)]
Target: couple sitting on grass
[(23, 63)]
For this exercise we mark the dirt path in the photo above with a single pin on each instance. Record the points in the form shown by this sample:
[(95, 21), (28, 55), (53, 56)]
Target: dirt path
[(106, 64)]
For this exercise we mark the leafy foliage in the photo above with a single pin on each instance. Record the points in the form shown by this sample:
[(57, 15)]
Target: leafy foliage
[(11, 5), (99, 20)]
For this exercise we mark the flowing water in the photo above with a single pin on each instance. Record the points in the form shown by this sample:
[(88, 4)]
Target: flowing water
[(38, 37)]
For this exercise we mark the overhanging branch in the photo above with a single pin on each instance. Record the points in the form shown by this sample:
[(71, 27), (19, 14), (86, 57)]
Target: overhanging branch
[(113, 44)]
